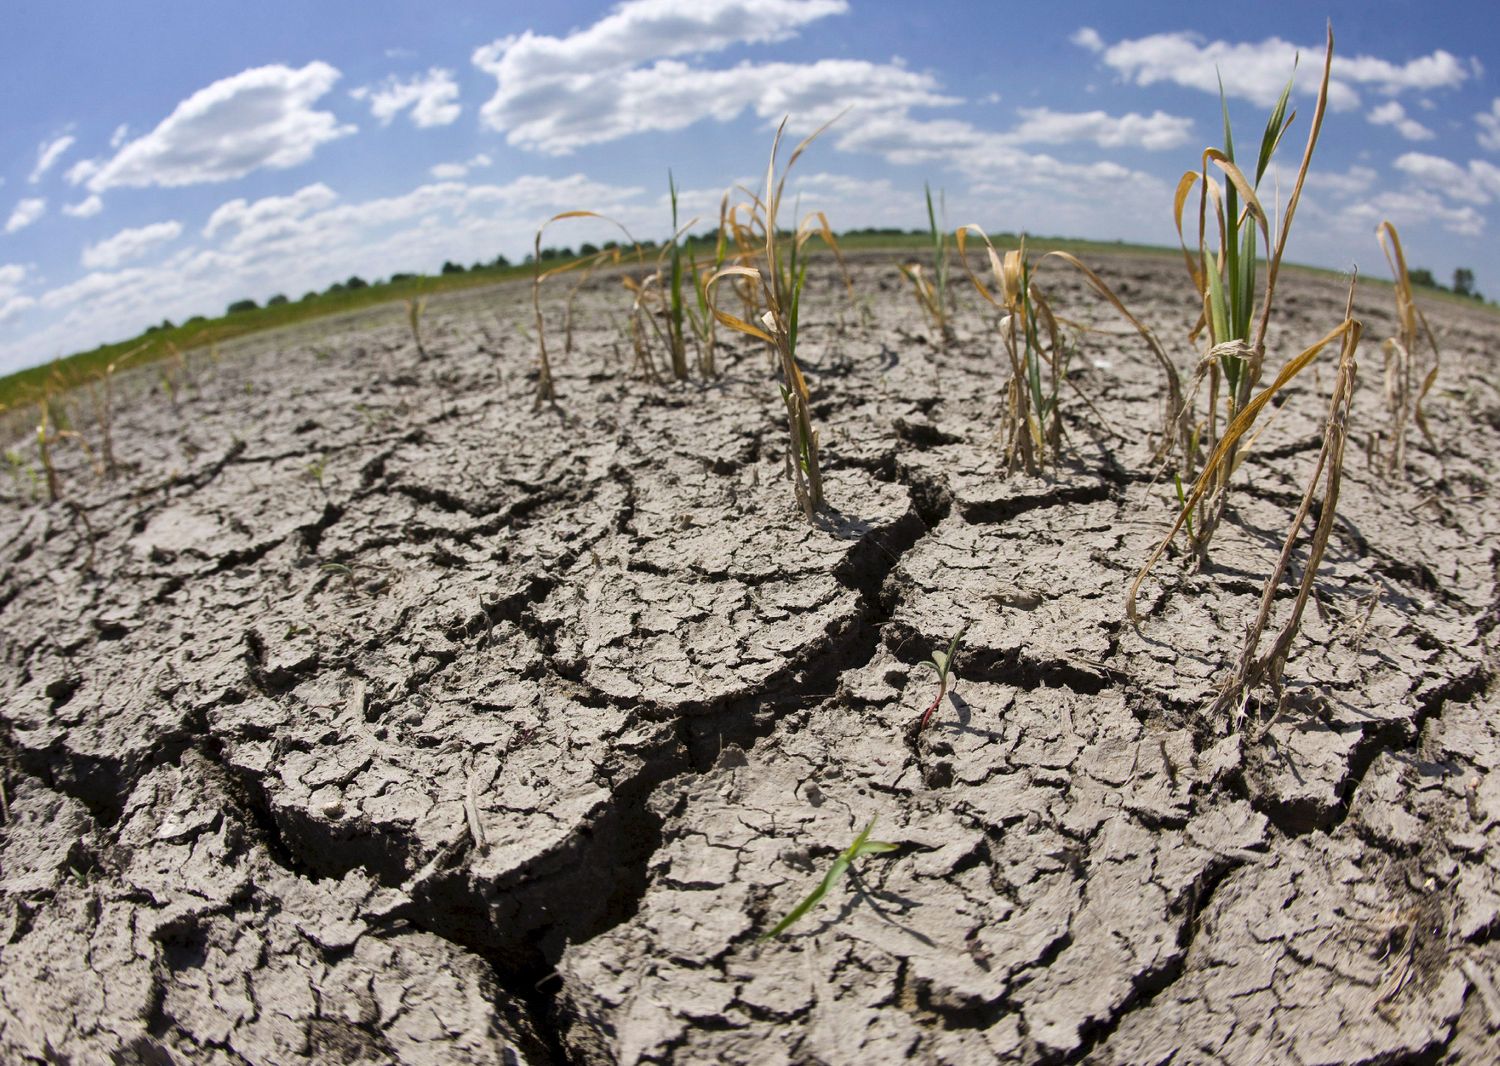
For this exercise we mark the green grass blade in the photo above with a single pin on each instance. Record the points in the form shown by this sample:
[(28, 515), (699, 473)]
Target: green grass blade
[(861, 847), (1275, 126), (1245, 298)]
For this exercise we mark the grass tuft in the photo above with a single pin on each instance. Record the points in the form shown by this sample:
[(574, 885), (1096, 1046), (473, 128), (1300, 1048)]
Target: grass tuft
[(775, 282)]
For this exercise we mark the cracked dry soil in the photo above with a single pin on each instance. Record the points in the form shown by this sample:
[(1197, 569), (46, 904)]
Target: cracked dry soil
[(372, 716)]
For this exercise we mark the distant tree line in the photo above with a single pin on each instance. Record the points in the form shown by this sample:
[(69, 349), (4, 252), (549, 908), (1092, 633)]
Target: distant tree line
[(1463, 282)]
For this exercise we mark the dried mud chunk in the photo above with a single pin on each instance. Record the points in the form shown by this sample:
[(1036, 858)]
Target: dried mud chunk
[(688, 621), (476, 793), (189, 944), (248, 509), (1041, 591), (1303, 957)]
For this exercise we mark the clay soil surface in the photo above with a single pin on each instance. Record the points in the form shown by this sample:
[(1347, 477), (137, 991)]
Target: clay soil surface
[(372, 715)]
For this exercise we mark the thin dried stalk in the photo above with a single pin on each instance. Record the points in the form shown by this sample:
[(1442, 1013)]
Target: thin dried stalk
[(1254, 669), (546, 391), (1400, 356), (1225, 449)]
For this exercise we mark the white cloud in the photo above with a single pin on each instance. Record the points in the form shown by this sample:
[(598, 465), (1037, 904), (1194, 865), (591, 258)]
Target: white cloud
[(15, 305), (81, 171), (670, 95), (454, 171), (1489, 127), (271, 210), (432, 98), (26, 212), (86, 208), (261, 117), (12, 302), (1391, 113), (1352, 182), (617, 76), (129, 244), (1412, 208), (1479, 183), (11, 276), (1088, 37), (1042, 125), (47, 154), (118, 137), (1257, 71)]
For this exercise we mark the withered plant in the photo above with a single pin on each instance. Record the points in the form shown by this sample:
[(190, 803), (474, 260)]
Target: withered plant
[(776, 272), (1255, 669), (1403, 395), (1233, 227)]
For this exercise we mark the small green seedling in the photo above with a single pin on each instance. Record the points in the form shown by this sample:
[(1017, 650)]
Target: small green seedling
[(316, 468), (861, 847), (941, 664)]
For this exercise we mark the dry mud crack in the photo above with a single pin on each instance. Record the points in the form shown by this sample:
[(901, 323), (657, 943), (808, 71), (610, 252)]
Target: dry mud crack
[(374, 716)]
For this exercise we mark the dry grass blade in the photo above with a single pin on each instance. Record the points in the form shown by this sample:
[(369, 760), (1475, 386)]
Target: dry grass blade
[(1253, 669), (546, 391), (1213, 469), (1400, 356), (1176, 419), (414, 308)]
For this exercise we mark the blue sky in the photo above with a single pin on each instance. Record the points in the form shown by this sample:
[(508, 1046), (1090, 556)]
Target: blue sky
[(160, 160)]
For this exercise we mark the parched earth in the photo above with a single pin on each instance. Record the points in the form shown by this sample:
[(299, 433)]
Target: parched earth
[(372, 715)]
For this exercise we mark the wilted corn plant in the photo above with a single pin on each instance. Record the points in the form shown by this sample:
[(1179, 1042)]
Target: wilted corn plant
[(776, 283), (1254, 669), (1032, 423), (659, 304), (1401, 357), (546, 391), (932, 293), (1236, 319)]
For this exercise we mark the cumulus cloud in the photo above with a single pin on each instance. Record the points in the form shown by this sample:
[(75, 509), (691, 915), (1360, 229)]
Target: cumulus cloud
[(1257, 71), (430, 99), (1352, 182), (1411, 208), (26, 212), (1489, 127), (1157, 130), (241, 214), (670, 95), (261, 117), (48, 153), (11, 276), (1478, 183), (454, 171), (85, 208), (130, 244), (12, 302), (1088, 37), (1392, 113), (619, 76)]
